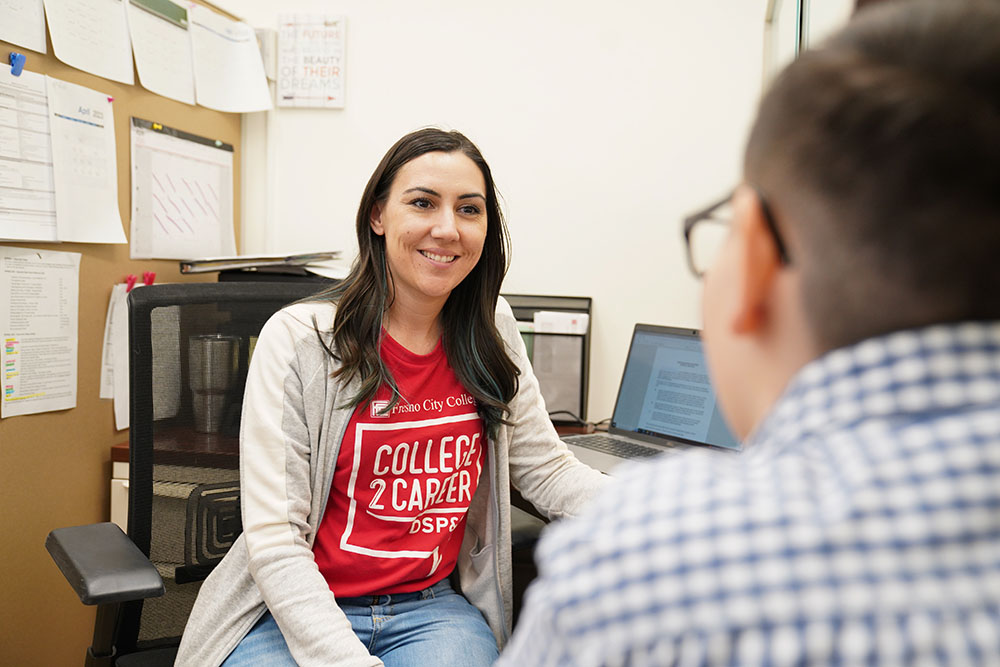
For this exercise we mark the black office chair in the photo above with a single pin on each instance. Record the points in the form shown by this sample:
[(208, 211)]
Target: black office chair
[(184, 510), (189, 346)]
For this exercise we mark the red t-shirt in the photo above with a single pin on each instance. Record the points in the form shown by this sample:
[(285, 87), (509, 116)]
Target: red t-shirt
[(395, 518)]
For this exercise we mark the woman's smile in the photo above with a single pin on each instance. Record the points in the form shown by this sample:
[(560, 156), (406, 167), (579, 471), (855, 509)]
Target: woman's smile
[(440, 258)]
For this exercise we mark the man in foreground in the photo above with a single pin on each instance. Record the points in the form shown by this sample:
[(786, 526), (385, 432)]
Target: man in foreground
[(852, 323)]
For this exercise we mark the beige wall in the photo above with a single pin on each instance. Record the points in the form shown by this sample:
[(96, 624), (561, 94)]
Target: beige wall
[(604, 124)]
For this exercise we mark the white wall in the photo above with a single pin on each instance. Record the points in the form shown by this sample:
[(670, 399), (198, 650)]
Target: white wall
[(826, 16), (603, 123)]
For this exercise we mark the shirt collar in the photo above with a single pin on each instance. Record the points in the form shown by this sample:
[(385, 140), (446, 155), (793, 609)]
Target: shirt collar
[(916, 371)]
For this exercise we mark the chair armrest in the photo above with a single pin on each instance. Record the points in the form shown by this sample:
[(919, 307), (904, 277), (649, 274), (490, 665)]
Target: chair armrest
[(102, 564)]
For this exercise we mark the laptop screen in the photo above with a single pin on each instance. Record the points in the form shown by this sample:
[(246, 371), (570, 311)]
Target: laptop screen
[(665, 390)]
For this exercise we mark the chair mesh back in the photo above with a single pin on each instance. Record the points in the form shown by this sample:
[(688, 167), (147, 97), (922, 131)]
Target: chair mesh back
[(189, 349)]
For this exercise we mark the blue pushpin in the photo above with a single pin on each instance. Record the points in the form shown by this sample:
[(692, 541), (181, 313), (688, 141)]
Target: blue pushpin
[(17, 61)]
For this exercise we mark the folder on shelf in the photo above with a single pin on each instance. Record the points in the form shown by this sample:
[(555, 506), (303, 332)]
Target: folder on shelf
[(204, 265)]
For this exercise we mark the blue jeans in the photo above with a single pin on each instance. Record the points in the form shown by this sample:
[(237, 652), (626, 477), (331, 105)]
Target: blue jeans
[(435, 626)]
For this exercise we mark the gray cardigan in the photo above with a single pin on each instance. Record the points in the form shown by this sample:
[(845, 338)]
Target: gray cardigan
[(294, 419)]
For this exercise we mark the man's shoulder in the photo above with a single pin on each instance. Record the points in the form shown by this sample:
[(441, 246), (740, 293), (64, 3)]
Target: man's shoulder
[(690, 531), (655, 505), (707, 543), (859, 495)]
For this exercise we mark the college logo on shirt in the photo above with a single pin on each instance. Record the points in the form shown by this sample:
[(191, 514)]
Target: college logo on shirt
[(377, 410), (418, 476)]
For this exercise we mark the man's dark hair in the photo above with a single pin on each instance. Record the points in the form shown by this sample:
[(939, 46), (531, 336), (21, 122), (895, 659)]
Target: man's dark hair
[(879, 153), (861, 4)]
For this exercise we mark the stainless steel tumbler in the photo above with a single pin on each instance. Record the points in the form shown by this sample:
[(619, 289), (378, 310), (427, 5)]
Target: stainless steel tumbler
[(212, 368)]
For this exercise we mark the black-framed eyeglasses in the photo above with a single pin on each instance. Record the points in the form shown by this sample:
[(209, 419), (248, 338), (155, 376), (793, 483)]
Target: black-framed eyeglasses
[(706, 230)]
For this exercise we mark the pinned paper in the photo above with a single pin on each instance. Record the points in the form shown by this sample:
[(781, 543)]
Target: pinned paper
[(28, 206), (92, 35), (228, 70), (84, 163), (162, 46), (39, 296), (107, 349), (22, 22), (182, 194)]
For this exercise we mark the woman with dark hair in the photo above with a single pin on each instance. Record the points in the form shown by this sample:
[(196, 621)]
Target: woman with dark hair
[(383, 424)]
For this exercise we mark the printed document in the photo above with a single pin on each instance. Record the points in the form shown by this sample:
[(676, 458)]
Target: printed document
[(182, 194), (685, 402), (119, 355), (27, 190), (92, 35), (228, 70), (39, 296), (165, 323), (85, 166), (22, 22), (162, 48), (107, 348)]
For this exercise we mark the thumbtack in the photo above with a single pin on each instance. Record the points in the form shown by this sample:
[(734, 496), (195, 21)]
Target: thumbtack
[(17, 61)]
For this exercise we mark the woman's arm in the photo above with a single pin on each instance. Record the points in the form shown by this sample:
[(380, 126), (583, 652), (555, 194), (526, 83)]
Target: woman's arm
[(286, 375)]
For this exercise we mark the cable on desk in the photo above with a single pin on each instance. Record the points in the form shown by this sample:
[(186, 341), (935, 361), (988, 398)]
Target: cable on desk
[(581, 422), (576, 418)]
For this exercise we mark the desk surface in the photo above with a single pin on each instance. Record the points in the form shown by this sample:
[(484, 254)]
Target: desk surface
[(184, 446)]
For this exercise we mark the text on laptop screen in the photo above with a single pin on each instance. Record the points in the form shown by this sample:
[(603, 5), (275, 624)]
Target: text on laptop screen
[(666, 390)]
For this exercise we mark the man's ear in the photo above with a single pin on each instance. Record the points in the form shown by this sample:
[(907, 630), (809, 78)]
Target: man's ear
[(758, 262), (375, 219)]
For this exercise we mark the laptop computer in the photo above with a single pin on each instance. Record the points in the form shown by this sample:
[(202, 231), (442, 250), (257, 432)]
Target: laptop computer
[(665, 402)]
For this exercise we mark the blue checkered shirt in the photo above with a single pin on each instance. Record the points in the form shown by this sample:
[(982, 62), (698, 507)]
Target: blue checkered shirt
[(860, 525)]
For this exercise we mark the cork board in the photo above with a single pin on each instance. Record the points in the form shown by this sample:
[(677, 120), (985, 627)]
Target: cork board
[(55, 467)]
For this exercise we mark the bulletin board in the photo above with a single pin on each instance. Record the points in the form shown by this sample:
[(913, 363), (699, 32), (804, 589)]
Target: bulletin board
[(55, 467)]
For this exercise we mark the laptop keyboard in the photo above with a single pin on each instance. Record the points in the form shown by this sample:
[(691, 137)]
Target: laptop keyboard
[(615, 447)]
